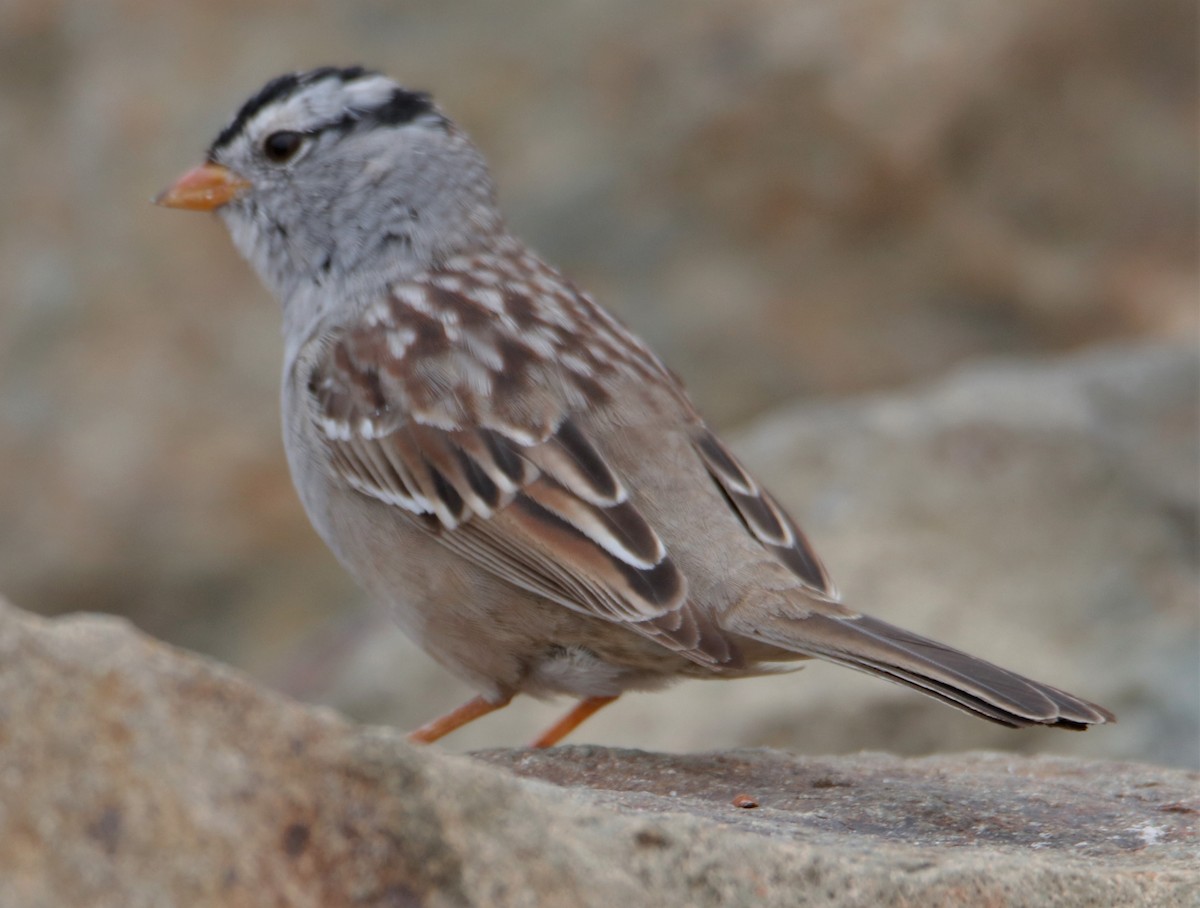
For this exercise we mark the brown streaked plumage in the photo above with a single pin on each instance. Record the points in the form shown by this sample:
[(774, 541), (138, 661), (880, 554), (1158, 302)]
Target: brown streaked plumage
[(500, 460)]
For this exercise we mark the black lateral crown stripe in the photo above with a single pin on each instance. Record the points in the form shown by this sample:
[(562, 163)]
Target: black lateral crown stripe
[(278, 88)]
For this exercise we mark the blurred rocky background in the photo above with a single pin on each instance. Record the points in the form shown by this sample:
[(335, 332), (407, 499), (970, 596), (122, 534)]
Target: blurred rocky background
[(932, 265)]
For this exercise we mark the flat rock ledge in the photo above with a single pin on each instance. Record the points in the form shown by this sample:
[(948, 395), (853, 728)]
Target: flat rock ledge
[(133, 774)]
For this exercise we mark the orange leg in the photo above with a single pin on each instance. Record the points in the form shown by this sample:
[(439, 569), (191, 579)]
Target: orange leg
[(457, 718), (572, 720)]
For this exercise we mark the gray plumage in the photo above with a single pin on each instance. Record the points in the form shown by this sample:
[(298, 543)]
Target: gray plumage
[(502, 462)]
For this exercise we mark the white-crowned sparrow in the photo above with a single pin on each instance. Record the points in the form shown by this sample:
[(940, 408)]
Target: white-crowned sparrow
[(496, 457)]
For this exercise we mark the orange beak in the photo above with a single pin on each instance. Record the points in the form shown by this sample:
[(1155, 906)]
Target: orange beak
[(203, 188)]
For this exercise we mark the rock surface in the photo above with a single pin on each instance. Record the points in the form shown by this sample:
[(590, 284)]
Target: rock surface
[(135, 775)]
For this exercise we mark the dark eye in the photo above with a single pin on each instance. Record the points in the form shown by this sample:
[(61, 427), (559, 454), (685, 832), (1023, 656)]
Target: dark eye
[(280, 147)]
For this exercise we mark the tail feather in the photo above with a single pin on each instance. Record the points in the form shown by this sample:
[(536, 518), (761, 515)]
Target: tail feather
[(960, 680)]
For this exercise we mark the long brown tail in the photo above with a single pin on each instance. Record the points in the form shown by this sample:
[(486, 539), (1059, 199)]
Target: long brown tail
[(966, 682)]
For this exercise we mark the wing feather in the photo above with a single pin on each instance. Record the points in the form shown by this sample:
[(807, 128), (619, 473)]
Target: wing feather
[(762, 516), (543, 509)]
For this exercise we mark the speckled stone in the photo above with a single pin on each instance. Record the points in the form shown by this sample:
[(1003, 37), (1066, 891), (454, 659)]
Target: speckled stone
[(132, 774)]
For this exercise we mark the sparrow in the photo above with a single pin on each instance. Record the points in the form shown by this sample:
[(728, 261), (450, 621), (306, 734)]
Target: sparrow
[(498, 459)]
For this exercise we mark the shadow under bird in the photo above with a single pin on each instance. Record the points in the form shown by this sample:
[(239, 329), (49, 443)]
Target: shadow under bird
[(498, 459)]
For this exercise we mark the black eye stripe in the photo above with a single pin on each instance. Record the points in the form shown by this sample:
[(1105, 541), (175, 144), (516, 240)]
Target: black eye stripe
[(278, 89), (402, 106)]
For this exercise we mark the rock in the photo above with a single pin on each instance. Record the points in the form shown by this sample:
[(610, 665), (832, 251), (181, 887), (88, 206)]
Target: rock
[(136, 775)]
